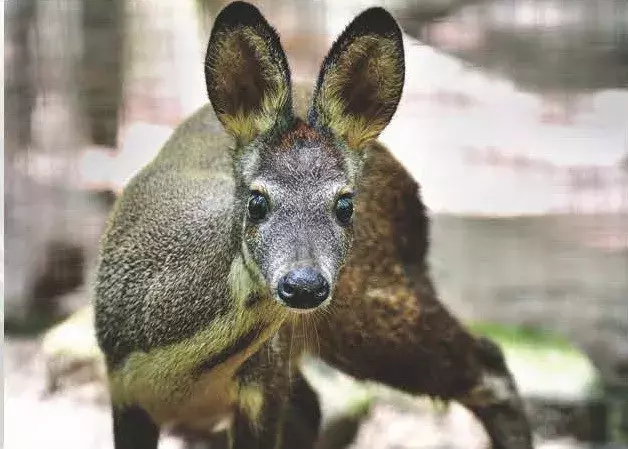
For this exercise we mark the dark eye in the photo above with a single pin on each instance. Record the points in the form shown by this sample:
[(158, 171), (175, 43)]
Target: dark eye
[(258, 206), (344, 209)]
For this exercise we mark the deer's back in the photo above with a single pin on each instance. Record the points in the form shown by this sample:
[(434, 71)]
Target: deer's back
[(169, 245)]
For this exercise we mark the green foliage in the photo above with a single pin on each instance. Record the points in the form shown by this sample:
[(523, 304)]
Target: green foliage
[(544, 364)]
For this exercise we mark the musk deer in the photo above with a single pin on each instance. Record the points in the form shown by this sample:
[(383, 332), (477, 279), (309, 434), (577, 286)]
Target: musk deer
[(253, 218)]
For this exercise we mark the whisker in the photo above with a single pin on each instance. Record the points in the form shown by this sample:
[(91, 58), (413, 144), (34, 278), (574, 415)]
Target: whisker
[(290, 347), (306, 327), (304, 331), (318, 341)]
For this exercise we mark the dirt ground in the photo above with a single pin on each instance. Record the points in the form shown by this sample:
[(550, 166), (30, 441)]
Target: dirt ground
[(79, 419)]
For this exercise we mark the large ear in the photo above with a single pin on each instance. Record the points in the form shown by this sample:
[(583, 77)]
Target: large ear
[(360, 82), (246, 72)]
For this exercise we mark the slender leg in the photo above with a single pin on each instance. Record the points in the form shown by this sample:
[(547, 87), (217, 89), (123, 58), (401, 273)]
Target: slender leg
[(262, 400), (400, 335), (496, 402), (260, 433), (278, 409), (303, 416), (134, 429)]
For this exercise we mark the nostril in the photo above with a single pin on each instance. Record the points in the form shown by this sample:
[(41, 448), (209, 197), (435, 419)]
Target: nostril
[(323, 289), (286, 289)]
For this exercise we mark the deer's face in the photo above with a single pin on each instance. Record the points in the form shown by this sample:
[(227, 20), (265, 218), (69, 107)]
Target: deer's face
[(296, 178), (298, 218)]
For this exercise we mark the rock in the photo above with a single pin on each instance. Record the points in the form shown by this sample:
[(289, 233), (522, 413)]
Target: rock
[(72, 357)]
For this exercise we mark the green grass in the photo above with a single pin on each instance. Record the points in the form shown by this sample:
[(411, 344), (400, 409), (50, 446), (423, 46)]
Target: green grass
[(523, 336)]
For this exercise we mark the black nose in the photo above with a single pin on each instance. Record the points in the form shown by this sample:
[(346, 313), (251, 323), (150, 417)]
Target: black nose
[(303, 288)]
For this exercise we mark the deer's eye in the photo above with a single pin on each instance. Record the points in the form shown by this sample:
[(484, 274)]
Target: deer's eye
[(258, 206), (344, 209)]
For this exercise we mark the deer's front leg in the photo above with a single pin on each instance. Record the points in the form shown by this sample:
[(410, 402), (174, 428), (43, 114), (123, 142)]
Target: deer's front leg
[(262, 397), (259, 430), (277, 408), (288, 418), (401, 336), (133, 429)]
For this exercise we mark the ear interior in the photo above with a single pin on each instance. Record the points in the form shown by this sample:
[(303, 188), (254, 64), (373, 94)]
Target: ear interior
[(246, 72), (361, 80)]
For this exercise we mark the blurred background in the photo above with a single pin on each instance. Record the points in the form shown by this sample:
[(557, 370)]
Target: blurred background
[(514, 120)]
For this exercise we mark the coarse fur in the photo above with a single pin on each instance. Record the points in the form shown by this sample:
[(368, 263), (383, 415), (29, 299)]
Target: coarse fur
[(186, 306)]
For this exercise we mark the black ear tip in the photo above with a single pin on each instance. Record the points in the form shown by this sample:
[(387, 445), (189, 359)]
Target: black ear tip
[(376, 20), (238, 14)]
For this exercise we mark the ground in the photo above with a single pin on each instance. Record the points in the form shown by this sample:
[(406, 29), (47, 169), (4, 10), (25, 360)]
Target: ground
[(79, 418)]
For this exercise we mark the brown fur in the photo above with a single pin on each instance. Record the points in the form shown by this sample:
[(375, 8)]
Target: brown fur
[(386, 320), (300, 132), (188, 308)]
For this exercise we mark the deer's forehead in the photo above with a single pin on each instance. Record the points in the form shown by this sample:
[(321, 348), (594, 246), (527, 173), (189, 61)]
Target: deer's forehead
[(302, 157), (310, 163)]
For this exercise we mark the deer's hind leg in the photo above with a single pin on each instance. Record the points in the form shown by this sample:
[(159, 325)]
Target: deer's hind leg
[(403, 337)]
